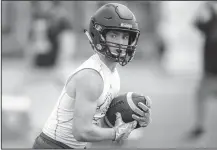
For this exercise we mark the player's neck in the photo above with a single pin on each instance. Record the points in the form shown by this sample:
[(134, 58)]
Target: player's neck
[(110, 64)]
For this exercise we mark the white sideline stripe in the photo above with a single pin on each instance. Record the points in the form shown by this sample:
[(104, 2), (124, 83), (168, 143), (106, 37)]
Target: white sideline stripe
[(132, 105), (15, 103)]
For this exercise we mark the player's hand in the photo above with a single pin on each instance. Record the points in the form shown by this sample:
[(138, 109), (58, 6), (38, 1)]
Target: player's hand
[(145, 119), (123, 130)]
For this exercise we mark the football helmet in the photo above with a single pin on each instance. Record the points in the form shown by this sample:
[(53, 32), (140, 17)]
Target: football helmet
[(114, 16)]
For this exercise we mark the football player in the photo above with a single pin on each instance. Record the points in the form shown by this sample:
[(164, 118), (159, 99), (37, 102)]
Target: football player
[(78, 117)]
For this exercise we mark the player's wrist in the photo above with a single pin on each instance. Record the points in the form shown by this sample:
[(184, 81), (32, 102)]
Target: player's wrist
[(113, 134), (118, 132)]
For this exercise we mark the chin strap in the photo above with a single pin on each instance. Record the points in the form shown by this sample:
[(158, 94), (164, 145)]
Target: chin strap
[(91, 42), (89, 38)]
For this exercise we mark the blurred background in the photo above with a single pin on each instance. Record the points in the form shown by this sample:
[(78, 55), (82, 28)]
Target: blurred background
[(43, 41)]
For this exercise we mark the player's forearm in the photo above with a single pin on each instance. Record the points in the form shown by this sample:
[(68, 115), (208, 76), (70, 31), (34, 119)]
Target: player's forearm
[(96, 134)]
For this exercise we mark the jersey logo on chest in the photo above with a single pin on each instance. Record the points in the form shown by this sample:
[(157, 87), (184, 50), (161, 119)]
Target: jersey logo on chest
[(106, 102)]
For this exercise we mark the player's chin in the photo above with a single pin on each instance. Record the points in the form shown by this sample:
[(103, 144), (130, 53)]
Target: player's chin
[(123, 60)]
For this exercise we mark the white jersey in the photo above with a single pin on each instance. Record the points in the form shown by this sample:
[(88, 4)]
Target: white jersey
[(59, 124)]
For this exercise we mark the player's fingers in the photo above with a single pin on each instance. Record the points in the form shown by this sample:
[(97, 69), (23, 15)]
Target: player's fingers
[(118, 118), (148, 101), (147, 115), (137, 118), (143, 107), (133, 125), (140, 119), (139, 111), (145, 123)]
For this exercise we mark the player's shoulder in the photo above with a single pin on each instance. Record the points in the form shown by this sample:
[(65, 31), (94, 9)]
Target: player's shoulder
[(88, 74), (86, 80)]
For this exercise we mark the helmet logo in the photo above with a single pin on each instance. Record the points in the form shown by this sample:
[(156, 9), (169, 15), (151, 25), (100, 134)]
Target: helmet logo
[(126, 25), (98, 27)]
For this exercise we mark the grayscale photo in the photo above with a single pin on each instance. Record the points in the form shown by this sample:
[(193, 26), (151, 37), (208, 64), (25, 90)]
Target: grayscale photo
[(108, 74)]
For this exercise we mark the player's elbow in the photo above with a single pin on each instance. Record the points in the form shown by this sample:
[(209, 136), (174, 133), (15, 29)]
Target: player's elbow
[(80, 137), (81, 133)]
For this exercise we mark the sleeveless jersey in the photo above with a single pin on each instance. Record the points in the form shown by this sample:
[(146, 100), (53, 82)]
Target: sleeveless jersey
[(60, 122)]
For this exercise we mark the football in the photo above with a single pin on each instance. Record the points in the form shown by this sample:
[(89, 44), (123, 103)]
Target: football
[(126, 105)]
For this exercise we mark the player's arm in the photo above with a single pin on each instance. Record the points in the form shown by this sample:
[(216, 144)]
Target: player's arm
[(89, 86)]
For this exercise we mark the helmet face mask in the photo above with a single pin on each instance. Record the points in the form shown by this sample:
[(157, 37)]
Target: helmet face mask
[(120, 53), (100, 25)]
